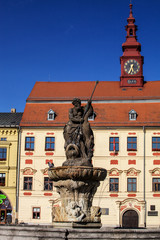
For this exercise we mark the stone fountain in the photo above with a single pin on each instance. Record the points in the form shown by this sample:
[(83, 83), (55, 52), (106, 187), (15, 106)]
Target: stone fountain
[(77, 180)]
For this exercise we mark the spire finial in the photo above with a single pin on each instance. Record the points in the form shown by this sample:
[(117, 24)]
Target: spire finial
[(130, 6)]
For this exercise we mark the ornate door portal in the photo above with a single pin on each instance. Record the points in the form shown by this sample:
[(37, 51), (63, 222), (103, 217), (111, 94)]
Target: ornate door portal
[(130, 219)]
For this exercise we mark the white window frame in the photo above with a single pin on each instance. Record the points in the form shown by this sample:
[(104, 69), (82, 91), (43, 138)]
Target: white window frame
[(53, 114), (132, 115)]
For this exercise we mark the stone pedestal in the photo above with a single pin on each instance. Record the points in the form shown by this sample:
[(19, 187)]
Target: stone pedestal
[(77, 186)]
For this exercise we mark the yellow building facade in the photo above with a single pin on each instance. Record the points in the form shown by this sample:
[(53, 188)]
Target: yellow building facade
[(9, 137)]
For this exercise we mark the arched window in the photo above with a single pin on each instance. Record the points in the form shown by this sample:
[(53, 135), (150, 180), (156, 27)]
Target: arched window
[(131, 32)]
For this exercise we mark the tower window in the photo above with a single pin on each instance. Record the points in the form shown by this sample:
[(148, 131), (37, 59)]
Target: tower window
[(131, 32), (132, 115), (51, 115)]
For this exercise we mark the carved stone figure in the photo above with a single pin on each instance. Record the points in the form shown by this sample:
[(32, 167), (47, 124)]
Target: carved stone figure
[(77, 186), (77, 180), (78, 135)]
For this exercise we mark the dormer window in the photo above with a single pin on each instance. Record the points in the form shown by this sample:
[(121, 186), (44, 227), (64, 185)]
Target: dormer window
[(92, 117), (132, 115), (51, 115)]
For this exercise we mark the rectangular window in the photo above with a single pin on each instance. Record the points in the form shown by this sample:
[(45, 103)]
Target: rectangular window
[(36, 213), (155, 143), (29, 144), (27, 183), (48, 185), (2, 179), (3, 139), (114, 185), (114, 144), (50, 144), (131, 144), (132, 116), (3, 154), (156, 184), (105, 211), (131, 184), (50, 116)]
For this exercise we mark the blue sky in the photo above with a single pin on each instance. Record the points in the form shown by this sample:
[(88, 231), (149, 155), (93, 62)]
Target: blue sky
[(70, 40)]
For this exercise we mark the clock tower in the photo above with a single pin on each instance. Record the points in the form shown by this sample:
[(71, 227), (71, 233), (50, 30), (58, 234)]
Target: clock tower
[(131, 61)]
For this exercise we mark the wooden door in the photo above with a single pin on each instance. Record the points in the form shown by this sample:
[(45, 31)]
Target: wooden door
[(2, 216), (130, 219)]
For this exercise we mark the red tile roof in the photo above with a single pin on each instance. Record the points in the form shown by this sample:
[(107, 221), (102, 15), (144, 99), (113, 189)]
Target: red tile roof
[(44, 96), (107, 114), (106, 90)]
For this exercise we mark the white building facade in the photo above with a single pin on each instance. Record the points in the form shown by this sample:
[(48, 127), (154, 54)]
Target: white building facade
[(126, 128)]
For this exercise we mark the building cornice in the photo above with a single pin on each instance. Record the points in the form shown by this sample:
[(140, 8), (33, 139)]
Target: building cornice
[(155, 100)]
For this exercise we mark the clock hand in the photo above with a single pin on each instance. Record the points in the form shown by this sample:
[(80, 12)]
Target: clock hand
[(131, 68)]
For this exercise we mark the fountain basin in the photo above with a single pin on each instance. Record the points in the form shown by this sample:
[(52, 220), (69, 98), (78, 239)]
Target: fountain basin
[(76, 186), (77, 173)]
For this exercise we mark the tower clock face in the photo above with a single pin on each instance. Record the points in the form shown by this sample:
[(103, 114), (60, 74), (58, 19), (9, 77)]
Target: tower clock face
[(131, 67)]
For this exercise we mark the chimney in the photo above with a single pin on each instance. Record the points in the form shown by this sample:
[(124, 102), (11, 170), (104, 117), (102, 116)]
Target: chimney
[(13, 110)]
